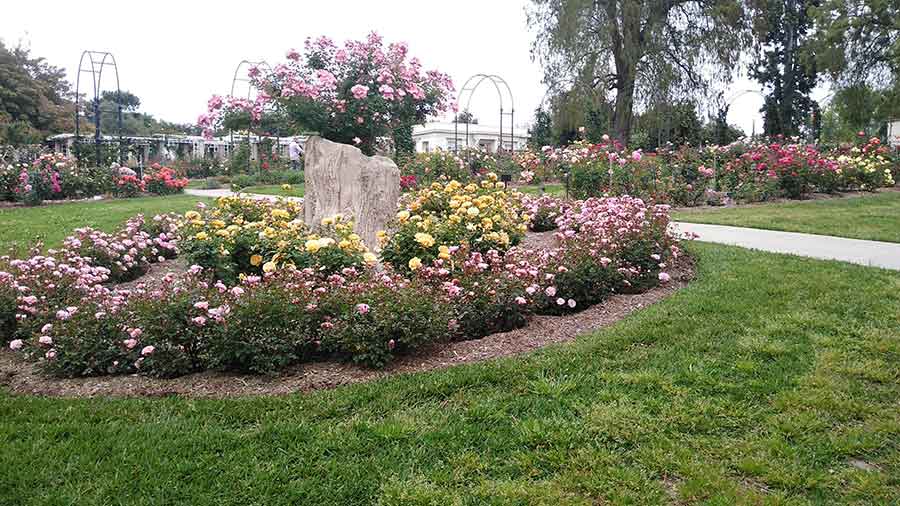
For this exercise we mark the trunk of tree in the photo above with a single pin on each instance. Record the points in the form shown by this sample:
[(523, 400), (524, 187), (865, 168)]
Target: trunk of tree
[(627, 42), (790, 82), (624, 112)]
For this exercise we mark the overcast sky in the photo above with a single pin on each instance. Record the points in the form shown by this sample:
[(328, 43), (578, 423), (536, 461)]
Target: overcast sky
[(174, 55)]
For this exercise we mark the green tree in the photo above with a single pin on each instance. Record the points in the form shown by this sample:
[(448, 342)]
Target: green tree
[(541, 132), (859, 40), (632, 47), (785, 64), (35, 98)]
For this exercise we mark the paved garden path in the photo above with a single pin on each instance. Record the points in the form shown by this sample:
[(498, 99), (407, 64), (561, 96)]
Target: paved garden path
[(869, 253), (857, 251)]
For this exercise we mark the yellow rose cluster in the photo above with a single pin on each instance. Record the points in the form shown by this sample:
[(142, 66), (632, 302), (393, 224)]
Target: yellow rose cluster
[(866, 171), (481, 216), (240, 235)]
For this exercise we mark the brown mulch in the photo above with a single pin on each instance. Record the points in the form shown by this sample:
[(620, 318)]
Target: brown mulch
[(154, 277), (539, 240), (23, 378)]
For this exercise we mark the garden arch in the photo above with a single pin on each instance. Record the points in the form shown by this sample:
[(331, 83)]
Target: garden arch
[(466, 93), (239, 77), (98, 60)]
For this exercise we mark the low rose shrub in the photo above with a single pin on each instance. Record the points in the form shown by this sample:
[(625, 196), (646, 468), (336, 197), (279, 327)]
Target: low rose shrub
[(438, 165), (128, 186), (480, 217), (246, 236), (164, 181), (543, 211)]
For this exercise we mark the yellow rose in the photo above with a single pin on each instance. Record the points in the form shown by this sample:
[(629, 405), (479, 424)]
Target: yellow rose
[(201, 236), (415, 263), (473, 211), (255, 260), (312, 245), (327, 221), (403, 216), (444, 252), (269, 267), (344, 244), (370, 258), (192, 215), (426, 240)]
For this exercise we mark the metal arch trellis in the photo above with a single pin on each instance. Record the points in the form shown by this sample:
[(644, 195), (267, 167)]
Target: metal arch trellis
[(250, 88), (98, 61), (468, 90)]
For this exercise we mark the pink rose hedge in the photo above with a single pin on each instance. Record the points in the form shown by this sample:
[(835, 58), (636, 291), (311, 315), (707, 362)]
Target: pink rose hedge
[(690, 176), (64, 311)]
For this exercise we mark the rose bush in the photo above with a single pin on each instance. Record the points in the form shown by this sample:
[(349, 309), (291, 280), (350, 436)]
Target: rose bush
[(481, 217), (352, 94), (247, 236)]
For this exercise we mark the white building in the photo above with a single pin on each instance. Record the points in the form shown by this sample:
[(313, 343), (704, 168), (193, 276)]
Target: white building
[(445, 136), (893, 133)]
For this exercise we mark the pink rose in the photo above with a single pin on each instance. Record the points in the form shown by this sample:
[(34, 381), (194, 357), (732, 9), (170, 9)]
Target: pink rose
[(362, 308), (16, 344), (664, 278), (359, 91), (550, 291), (130, 343), (135, 333), (46, 340), (148, 350)]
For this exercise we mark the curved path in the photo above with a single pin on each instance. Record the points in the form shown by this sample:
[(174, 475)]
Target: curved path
[(869, 253)]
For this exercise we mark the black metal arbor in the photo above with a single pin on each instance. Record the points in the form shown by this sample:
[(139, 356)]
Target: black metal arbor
[(245, 65), (468, 90), (98, 61)]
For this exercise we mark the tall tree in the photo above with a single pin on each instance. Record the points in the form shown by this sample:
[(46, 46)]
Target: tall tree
[(859, 40), (541, 132), (633, 47), (785, 64), (33, 94)]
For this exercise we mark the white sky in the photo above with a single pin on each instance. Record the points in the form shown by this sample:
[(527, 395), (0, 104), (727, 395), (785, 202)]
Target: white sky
[(174, 55)]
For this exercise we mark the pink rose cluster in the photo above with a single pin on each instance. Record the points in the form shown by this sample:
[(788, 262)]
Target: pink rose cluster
[(44, 288), (362, 88)]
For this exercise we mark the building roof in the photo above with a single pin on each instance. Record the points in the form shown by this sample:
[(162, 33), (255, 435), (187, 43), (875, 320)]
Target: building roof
[(476, 129)]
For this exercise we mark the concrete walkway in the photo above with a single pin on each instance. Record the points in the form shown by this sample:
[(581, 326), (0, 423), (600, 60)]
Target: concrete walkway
[(869, 253)]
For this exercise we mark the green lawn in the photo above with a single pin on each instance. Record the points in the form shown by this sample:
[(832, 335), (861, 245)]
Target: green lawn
[(874, 217), (555, 189), (51, 223), (276, 189), (769, 380)]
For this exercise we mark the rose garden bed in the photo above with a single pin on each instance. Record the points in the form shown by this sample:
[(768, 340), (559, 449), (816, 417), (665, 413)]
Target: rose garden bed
[(264, 294)]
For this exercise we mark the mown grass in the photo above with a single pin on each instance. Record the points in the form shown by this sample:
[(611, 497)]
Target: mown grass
[(762, 382), (276, 189), (22, 227), (874, 217)]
